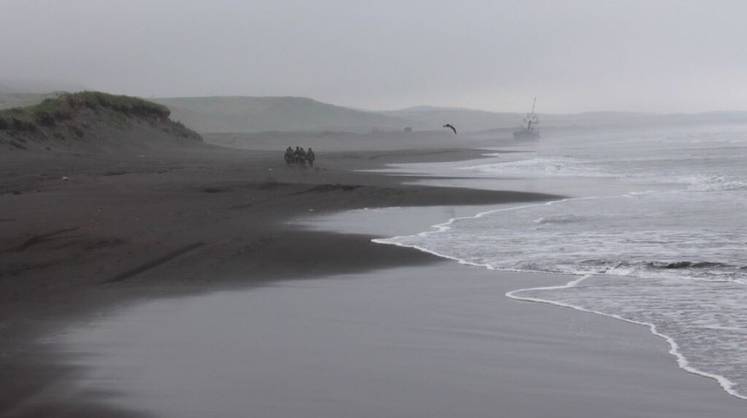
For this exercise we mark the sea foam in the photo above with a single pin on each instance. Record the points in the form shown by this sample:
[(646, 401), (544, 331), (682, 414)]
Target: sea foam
[(667, 253)]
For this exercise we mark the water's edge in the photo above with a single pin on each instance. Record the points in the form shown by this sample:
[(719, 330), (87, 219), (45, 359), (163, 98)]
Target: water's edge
[(682, 362)]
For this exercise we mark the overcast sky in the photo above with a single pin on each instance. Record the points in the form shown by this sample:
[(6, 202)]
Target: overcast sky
[(575, 55)]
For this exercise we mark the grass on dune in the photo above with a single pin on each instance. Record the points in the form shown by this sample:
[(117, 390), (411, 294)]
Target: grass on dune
[(64, 107)]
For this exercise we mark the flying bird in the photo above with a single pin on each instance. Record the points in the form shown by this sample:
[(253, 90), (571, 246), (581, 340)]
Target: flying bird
[(450, 126)]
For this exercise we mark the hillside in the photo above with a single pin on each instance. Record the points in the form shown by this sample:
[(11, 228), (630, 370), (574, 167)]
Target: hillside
[(254, 115), (262, 114), (91, 122)]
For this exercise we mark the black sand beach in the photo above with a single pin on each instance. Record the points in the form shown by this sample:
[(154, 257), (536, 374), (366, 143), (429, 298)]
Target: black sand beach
[(390, 209), (202, 219), (122, 232)]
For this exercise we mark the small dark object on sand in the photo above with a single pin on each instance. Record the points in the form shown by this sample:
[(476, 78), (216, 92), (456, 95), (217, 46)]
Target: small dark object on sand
[(299, 156), (310, 157)]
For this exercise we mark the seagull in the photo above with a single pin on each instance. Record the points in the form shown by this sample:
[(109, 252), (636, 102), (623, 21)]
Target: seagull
[(450, 126)]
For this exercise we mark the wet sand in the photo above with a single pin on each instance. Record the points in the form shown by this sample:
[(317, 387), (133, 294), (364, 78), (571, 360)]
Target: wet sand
[(439, 340), (82, 234), (129, 247)]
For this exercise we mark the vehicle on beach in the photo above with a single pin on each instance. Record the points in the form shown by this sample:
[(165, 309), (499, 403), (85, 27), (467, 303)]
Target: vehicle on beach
[(529, 130), (299, 157)]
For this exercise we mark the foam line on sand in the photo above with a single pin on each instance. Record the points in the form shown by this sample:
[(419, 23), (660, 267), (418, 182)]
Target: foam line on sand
[(682, 361)]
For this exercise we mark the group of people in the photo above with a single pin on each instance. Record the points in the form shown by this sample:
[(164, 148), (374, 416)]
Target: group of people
[(299, 156)]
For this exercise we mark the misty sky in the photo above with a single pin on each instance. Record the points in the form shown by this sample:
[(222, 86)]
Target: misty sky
[(575, 55)]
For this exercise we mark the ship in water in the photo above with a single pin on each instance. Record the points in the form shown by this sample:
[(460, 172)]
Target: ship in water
[(530, 129)]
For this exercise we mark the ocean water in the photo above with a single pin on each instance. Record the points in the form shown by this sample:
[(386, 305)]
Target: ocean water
[(653, 231)]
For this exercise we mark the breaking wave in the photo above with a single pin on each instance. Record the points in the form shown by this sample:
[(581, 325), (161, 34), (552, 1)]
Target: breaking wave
[(685, 280), (661, 242), (541, 167)]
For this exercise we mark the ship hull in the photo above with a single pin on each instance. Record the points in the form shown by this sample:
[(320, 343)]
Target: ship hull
[(526, 134)]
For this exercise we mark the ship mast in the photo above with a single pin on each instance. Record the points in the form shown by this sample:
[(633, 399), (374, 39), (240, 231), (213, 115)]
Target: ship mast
[(531, 118), (531, 121)]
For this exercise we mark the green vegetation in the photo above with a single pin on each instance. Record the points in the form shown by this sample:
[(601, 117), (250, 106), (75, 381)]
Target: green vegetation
[(59, 109)]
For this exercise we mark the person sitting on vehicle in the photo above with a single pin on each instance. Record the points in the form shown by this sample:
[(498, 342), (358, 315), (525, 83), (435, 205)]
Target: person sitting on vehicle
[(310, 157), (289, 157), (300, 155)]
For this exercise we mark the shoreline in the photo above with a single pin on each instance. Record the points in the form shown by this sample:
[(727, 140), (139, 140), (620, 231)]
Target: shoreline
[(462, 340), (219, 213), (674, 348), (365, 253), (681, 360)]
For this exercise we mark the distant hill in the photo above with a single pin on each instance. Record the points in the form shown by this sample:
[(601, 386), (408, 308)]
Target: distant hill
[(261, 114), (297, 114), (227, 115), (92, 122), (638, 119), (428, 117)]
